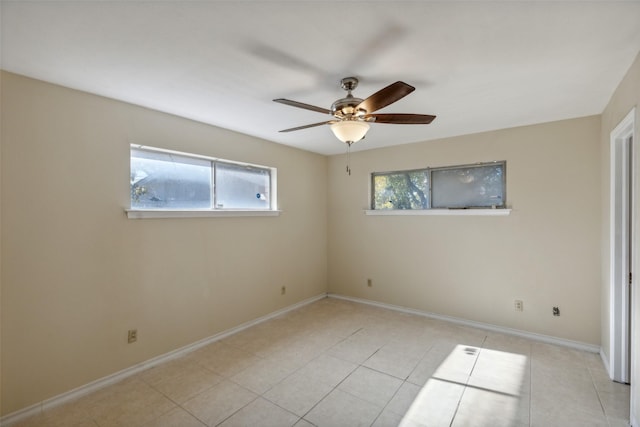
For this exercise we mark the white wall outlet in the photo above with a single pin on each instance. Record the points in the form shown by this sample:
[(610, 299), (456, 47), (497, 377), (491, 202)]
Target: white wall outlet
[(519, 305)]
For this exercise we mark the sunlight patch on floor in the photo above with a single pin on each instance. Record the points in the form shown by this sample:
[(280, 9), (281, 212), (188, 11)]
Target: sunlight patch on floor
[(472, 384)]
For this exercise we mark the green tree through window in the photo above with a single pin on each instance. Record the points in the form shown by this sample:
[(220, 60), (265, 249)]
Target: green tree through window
[(402, 190)]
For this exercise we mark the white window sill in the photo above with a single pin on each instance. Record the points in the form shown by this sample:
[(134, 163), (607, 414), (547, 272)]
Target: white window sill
[(154, 213), (448, 212)]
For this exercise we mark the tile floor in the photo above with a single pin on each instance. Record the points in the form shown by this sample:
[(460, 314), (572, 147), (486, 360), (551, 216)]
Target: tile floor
[(339, 363)]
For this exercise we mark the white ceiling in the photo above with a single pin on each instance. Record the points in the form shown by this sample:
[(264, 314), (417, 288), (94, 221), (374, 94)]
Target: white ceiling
[(477, 65)]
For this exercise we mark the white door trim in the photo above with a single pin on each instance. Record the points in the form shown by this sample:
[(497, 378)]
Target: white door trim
[(621, 179)]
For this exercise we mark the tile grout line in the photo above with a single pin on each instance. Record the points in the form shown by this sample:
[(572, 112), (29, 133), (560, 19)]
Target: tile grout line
[(593, 383), (359, 365), (324, 352), (240, 409), (467, 382), (404, 380), (179, 405), (293, 373)]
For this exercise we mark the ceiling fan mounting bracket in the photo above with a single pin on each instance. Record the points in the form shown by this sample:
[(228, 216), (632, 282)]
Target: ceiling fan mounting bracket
[(349, 83)]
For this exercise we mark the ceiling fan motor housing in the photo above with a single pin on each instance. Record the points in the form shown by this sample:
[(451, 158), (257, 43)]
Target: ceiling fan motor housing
[(345, 108)]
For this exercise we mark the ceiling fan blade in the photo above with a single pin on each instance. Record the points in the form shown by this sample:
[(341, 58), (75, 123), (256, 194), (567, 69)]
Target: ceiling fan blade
[(282, 58), (308, 126), (363, 55), (402, 119), (386, 96), (302, 105)]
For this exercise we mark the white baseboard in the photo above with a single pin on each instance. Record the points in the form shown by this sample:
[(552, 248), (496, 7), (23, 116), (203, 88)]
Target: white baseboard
[(76, 393), (501, 329)]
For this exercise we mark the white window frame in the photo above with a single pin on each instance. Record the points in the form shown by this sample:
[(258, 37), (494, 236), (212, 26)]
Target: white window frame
[(467, 211), (137, 213)]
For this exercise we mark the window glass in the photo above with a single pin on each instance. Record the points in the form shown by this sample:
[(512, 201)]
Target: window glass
[(401, 190), (169, 181), (468, 187), (241, 187)]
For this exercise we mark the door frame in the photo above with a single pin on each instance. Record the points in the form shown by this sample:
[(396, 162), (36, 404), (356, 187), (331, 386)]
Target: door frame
[(622, 162)]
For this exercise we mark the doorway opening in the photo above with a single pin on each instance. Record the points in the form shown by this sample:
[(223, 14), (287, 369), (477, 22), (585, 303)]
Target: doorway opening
[(621, 248)]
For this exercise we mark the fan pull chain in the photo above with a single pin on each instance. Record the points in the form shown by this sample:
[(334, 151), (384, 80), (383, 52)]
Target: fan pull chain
[(349, 158)]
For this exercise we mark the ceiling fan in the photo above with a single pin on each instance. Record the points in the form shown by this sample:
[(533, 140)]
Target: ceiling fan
[(351, 115)]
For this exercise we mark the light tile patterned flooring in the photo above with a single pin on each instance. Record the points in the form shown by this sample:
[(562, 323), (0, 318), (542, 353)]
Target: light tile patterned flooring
[(340, 363)]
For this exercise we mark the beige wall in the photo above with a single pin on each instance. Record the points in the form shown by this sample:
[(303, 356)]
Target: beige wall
[(626, 96), (77, 274), (546, 253)]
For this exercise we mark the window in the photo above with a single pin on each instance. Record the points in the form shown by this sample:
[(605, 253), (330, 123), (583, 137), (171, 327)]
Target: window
[(167, 180), (401, 190), (242, 186), (480, 185)]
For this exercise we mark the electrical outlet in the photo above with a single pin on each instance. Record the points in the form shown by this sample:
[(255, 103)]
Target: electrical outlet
[(133, 336), (283, 290), (556, 311), (519, 305), (369, 282)]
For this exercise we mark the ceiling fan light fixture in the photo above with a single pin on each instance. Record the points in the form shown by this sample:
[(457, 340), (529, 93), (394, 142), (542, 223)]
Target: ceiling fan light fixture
[(350, 131)]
